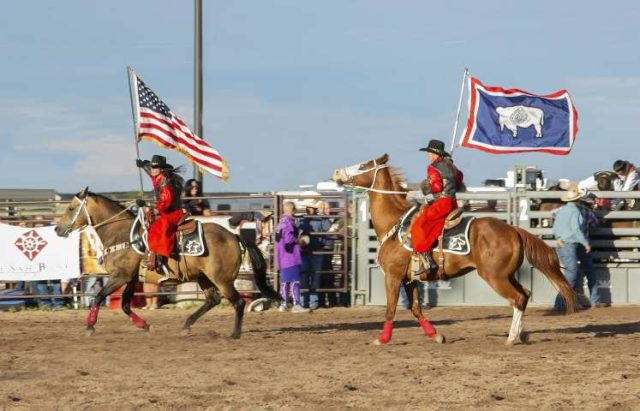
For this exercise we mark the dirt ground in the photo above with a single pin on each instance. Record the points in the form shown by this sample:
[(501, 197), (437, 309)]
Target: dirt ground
[(323, 360)]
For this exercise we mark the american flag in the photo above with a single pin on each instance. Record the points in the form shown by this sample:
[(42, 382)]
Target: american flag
[(157, 123)]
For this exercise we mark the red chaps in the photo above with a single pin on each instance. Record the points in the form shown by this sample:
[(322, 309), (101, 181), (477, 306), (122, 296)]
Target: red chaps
[(427, 226), (162, 232)]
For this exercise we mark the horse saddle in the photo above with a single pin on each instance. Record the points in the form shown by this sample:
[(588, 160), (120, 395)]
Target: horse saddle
[(455, 236), (189, 238)]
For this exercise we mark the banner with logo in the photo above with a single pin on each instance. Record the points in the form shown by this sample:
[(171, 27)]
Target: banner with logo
[(29, 254), (515, 121)]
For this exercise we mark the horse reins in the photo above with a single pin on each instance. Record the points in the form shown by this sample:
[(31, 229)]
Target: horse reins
[(90, 229), (353, 171)]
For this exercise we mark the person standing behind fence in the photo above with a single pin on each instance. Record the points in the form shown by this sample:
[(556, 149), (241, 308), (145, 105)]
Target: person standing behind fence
[(311, 262), (630, 181), (328, 225), (567, 228), (289, 259), (589, 222), (193, 188)]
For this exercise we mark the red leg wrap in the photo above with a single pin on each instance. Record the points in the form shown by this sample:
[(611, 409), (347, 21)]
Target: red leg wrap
[(92, 318), (387, 330), (137, 321), (427, 327)]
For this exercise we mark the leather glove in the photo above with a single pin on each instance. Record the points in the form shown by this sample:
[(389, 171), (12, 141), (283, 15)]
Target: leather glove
[(140, 202), (139, 163)]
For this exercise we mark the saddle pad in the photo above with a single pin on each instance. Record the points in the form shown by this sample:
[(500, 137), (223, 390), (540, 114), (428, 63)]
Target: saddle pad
[(455, 240), (190, 245)]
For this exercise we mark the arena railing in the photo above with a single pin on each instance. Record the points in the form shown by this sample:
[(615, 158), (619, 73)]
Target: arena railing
[(223, 207)]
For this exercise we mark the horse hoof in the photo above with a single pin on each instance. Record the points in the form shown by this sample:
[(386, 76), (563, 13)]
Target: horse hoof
[(234, 336), (439, 338), (377, 342), (510, 343), (89, 331), (185, 332), (147, 328), (524, 338)]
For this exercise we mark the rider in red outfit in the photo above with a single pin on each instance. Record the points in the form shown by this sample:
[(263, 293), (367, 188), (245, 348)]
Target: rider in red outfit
[(167, 185), (443, 180)]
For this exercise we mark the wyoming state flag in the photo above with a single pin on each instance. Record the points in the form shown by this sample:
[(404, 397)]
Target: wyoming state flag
[(515, 121)]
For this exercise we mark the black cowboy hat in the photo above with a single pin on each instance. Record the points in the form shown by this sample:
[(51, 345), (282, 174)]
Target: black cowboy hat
[(159, 162), (436, 147)]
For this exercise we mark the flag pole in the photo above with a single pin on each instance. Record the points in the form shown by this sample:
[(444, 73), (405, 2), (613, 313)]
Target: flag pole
[(134, 113), (455, 124)]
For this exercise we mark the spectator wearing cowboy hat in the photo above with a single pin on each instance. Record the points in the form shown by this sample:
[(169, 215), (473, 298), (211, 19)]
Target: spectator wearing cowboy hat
[(568, 230), (630, 178)]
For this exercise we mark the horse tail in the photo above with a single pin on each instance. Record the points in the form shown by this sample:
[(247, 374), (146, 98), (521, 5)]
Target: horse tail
[(259, 266), (542, 257)]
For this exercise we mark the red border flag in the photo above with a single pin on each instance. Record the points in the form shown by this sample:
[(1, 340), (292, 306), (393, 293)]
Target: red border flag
[(156, 122), (515, 121)]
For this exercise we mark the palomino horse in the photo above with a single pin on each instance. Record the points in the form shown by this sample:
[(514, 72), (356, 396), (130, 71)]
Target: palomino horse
[(215, 271), (497, 250)]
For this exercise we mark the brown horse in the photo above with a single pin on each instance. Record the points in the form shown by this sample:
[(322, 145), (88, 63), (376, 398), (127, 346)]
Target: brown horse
[(215, 271), (497, 250)]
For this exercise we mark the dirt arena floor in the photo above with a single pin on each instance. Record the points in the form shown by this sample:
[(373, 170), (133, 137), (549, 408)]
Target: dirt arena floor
[(323, 360)]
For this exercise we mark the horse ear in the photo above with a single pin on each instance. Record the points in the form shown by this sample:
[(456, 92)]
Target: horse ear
[(84, 193), (383, 159)]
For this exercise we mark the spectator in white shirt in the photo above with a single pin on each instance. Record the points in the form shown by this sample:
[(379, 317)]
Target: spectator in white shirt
[(630, 179)]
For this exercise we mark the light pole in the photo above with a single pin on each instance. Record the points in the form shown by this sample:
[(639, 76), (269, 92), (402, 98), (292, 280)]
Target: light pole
[(197, 79)]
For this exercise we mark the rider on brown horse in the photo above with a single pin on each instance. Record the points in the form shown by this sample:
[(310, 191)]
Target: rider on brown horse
[(167, 185), (443, 180)]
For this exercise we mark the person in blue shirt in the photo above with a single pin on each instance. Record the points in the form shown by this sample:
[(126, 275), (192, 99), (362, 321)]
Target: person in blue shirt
[(568, 230)]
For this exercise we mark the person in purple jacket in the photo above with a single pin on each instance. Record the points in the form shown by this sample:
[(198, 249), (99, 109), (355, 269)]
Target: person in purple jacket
[(289, 259)]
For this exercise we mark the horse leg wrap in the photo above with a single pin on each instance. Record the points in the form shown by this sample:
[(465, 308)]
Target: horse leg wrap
[(92, 318), (429, 331), (137, 321), (387, 331)]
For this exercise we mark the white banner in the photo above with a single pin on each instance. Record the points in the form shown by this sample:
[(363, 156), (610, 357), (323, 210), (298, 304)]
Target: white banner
[(28, 254)]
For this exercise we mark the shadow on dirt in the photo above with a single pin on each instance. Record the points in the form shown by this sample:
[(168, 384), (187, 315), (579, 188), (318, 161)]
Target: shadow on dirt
[(368, 326), (600, 330)]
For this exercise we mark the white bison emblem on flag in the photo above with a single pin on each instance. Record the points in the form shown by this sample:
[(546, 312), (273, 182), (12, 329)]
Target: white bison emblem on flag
[(520, 116)]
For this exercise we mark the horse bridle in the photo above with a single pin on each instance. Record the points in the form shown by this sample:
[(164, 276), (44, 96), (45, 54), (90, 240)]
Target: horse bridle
[(355, 170), (83, 206)]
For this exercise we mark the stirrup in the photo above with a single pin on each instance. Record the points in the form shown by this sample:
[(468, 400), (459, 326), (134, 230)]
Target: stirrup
[(417, 268)]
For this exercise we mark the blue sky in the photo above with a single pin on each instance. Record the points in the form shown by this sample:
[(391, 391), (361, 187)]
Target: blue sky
[(294, 89)]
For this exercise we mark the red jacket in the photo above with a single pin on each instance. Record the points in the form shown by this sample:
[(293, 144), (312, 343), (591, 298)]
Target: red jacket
[(444, 179), (440, 173), (166, 201), (162, 232)]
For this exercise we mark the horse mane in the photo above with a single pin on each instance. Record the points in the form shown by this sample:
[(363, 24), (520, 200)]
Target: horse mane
[(398, 184), (111, 205)]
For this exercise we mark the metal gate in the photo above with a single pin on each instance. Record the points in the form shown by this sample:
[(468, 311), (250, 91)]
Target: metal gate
[(616, 255)]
